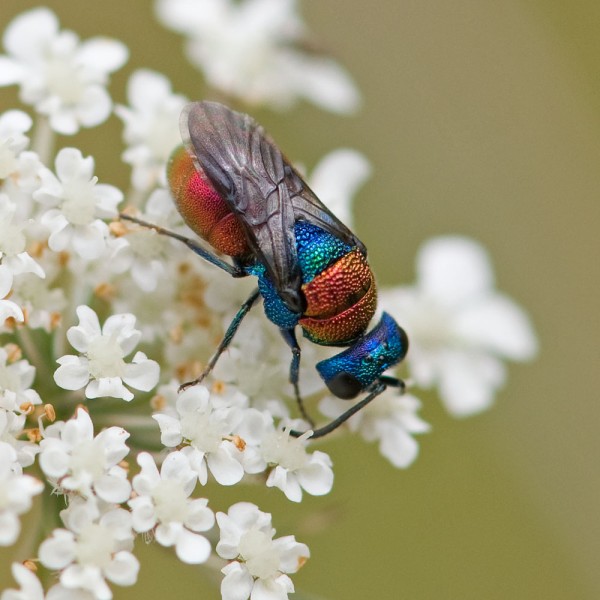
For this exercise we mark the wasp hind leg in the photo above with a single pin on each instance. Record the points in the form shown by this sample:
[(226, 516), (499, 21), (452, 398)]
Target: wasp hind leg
[(229, 334), (289, 335)]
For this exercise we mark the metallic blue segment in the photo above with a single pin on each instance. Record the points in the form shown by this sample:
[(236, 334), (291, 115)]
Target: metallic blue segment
[(370, 356), (316, 249), (275, 309)]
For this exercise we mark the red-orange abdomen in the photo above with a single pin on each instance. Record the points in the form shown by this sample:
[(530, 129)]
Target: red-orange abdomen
[(341, 301), (202, 208)]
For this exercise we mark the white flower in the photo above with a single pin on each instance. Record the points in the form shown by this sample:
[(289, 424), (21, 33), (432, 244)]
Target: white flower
[(13, 242), (95, 546), (42, 303), (208, 431), (60, 592), (15, 383), (259, 563), (251, 49), (79, 203), (336, 179), (294, 469), (254, 426), (258, 363), (13, 125), (163, 504), (147, 254), (76, 461), (103, 362), (11, 428), (151, 127), (60, 76), (8, 309), (31, 588), (459, 327), (16, 493), (21, 183), (390, 419)]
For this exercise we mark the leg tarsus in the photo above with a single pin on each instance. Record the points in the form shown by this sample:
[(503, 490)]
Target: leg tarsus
[(317, 433), (229, 334)]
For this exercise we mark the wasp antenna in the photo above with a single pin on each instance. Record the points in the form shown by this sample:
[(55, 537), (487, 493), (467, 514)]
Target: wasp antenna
[(234, 271)]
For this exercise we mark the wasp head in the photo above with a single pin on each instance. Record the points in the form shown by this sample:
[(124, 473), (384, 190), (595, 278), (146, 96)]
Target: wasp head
[(352, 371)]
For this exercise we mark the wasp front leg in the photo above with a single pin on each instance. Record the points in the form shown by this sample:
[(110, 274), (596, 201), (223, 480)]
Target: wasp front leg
[(229, 334), (377, 389)]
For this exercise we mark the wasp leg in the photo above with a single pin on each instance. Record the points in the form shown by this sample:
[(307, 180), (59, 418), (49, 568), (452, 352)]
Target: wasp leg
[(289, 335), (393, 382), (231, 331), (233, 270), (317, 433)]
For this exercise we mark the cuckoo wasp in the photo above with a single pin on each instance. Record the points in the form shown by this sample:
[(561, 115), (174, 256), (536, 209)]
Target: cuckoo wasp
[(235, 189)]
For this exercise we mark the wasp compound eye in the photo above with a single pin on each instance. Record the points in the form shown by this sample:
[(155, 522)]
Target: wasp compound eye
[(345, 386)]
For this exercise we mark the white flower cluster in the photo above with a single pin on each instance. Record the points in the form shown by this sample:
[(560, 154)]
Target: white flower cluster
[(80, 291), (253, 50)]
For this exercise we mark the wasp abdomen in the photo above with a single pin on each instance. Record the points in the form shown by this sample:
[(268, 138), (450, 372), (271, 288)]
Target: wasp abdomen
[(202, 208), (344, 327), (339, 287)]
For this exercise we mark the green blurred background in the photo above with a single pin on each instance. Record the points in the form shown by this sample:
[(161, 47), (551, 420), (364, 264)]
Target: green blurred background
[(480, 118)]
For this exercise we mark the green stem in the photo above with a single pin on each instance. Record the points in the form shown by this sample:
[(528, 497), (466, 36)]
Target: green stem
[(33, 353), (43, 140)]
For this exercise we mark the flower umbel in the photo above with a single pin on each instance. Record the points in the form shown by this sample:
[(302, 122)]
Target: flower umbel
[(252, 50), (60, 76), (75, 268)]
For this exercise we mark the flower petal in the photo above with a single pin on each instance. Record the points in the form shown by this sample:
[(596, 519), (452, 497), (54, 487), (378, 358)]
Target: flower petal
[(142, 374), (499, 325), (224, 466), (103, 54), (452, 269), (192, 548), (123, 569), (237, 583), (73, 373)]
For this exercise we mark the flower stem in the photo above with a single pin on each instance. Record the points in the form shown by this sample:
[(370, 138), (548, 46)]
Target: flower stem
[(43, 140)]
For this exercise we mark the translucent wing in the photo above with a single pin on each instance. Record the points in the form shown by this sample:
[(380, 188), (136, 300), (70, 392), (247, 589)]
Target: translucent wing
[(308, 207), (261, 188)]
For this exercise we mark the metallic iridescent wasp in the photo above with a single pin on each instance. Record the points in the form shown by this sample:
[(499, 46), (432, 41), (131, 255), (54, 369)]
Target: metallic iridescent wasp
[(236, 190)]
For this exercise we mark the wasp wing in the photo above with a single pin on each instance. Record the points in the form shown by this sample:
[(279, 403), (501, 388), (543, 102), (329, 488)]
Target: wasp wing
[(261, 188), (308, 207)]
